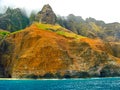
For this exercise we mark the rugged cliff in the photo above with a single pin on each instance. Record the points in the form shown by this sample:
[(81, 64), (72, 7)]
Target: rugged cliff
[(46, 15), (91, 27), (13, 20), (47, 50), (51, 51)]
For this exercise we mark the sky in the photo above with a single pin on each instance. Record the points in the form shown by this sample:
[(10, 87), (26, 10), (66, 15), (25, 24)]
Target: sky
[(106, 10)]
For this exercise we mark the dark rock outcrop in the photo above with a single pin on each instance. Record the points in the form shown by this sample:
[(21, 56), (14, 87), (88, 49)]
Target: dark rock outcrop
[(115, 46), (46, 15)]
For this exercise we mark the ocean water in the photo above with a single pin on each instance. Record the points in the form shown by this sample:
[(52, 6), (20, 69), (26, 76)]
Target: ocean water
[(68, 84)]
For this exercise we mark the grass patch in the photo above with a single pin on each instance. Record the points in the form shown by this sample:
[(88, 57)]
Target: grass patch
[(48, 26), (59, 30), (4, 33), (69, 35)]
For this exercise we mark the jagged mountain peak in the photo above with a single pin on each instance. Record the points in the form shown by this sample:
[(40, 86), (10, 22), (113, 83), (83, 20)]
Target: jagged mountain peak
[(13, 20), (10, 10), (46, 15), (44, 48), (46, 7)]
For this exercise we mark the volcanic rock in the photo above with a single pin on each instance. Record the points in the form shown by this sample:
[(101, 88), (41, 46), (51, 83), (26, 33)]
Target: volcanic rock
[(46, 15)]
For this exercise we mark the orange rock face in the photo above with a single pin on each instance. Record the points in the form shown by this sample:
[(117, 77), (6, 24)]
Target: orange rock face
[(38, 52)]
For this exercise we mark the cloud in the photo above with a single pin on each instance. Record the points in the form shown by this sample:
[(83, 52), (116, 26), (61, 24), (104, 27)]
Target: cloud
[(107, 10), (29, 5)]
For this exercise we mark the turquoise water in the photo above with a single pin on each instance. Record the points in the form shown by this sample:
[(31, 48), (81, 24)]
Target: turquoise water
[(69, 84)]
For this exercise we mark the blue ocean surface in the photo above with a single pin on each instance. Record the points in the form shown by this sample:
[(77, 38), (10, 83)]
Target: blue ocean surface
[(63, 84)]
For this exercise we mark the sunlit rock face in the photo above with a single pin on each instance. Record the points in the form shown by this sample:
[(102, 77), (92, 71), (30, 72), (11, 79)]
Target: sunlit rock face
[(42, 53), (46, 15)]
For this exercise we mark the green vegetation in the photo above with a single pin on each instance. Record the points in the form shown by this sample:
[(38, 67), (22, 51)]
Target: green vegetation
[(3, 33), (16, 32), (91, 27), (61, 33), (13, 20), (16, 19), (59, 30), (48, 26)]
